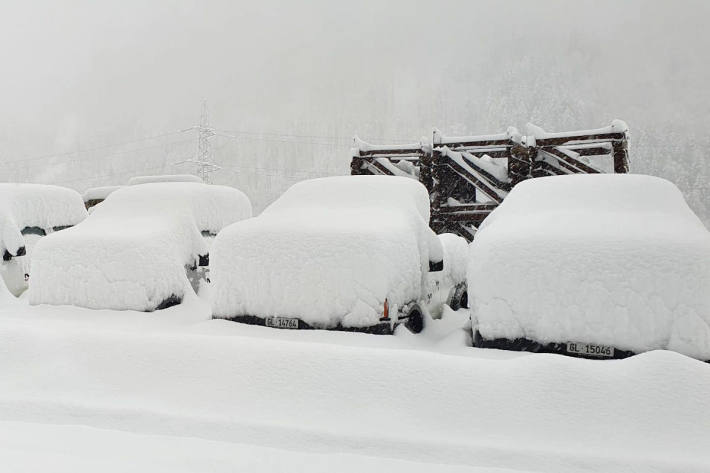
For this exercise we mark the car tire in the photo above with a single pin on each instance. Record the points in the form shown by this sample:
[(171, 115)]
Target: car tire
[(459, 297), (415, 319)]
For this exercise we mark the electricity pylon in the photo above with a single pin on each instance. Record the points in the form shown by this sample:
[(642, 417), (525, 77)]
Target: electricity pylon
[(203, 155)]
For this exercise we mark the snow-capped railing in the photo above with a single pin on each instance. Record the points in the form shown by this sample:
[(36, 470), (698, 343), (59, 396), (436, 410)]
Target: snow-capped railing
[(363, 148), (392, 160), (468, 176), (493, 141), (567, 148)]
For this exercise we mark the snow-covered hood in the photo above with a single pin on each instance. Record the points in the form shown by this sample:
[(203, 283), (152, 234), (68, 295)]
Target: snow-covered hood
[(131, 252), (329, 251)]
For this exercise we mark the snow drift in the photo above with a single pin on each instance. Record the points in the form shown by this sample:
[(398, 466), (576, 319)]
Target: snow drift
[(616, 260), (538, 413), (329, 252), (131, 252)]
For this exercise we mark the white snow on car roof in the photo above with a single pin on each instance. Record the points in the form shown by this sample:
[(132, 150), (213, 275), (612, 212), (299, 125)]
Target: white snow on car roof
[(615, 260), (35, 205), (211, 206), (328, 251), (343, 193), (99, 193), (131, 252), (163, 178)]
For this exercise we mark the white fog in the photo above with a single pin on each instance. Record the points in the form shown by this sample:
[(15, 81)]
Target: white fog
[(85, 85)]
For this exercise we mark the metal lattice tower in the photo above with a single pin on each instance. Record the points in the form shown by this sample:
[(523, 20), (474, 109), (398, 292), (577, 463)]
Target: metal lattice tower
[(203, 155)]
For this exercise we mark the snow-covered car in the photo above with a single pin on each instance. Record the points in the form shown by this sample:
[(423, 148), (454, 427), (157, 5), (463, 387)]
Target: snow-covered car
[(601, 266), (163, 178), (346, 253), (96, 195), (28, 212), (449, 285), (137, 250)]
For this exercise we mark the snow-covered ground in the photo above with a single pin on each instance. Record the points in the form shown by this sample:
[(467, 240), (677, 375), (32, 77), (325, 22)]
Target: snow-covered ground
[(87, 390), (31, 447)]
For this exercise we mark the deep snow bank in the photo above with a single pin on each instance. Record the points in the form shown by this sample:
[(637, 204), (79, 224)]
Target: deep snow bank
[(328, 251), (539, 412), (79, 449), (609, 259), (131, 252)]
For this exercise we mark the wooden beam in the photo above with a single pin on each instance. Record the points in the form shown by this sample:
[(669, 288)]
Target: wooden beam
[(473, 218), (358, 166), (467, 208), (548, 168), (474, 142), (388, 152), (621, 157), (496, 153), (576, 163), (380, 167), (589, 151), (477, 183), (597, 137), (494, 181)]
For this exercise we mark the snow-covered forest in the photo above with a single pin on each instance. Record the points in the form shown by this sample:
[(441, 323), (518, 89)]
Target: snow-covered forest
[(288, 85)]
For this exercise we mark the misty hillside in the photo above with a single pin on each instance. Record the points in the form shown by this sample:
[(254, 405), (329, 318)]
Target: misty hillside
[(288, 88)]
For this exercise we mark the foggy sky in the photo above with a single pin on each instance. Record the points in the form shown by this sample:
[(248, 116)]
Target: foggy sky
[(89, 73)]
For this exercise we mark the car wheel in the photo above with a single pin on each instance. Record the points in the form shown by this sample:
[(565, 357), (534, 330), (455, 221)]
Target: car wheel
[(415, 319), (459, 297)]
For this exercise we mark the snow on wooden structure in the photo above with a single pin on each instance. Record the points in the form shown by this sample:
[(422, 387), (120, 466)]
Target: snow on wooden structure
[(468, 176)]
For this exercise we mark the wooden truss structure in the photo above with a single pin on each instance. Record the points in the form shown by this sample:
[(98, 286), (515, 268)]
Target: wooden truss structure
[(469, 176)]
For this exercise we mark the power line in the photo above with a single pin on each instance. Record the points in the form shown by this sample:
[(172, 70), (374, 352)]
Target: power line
[(204, 153), (285, 135), (280, 171), (97, 148), (205, 132), (134, 150), (88, 178), (292, 138), (260, 138)]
